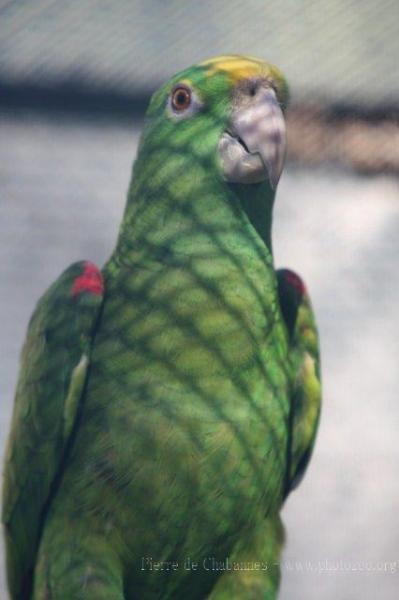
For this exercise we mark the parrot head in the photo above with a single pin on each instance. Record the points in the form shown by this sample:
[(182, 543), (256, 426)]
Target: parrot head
[(226, 113), (210, 156)]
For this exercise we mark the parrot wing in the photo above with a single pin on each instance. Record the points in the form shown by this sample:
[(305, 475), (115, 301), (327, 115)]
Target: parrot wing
[(52, 378), (305, 373)]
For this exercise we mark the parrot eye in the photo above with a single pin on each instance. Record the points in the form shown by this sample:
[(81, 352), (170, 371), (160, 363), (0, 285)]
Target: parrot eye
[(181, 98), (183, 102)]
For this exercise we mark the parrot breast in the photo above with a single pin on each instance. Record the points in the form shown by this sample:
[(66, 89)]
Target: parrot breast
[(185, 415)]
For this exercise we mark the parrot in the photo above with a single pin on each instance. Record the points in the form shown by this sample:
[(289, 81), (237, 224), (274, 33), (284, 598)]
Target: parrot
[(168, 402)]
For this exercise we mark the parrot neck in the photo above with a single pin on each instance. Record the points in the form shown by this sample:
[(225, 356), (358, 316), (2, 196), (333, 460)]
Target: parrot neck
[(191, 214), (257, 201)]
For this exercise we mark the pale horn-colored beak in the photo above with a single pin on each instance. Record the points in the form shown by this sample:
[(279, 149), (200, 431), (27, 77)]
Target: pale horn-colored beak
[(253, 147)]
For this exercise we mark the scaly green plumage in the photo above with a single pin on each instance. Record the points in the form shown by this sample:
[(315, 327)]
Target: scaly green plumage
[(186, 429)]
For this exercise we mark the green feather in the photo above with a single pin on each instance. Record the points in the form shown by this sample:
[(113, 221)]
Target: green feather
[(52, 376), (304, 361)]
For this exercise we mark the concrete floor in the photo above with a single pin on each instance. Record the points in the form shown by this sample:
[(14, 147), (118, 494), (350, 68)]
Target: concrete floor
[(63, 185)]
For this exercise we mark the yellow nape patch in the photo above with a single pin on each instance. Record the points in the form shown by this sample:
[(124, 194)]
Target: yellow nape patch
[(240, 67)]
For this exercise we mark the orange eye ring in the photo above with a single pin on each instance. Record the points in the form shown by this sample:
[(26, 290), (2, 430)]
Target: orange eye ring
[(181, 98)]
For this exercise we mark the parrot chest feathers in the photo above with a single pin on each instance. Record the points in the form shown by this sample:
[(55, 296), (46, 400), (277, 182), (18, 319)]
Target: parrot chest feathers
[(191, 372)]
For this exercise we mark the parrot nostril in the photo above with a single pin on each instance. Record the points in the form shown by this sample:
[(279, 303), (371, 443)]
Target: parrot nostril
[(253, 89)]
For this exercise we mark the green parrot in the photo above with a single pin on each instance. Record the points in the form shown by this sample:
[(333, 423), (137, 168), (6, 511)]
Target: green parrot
[(168, 403)]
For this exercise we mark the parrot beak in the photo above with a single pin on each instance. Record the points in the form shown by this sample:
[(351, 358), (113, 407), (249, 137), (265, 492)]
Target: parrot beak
[(253, 147)]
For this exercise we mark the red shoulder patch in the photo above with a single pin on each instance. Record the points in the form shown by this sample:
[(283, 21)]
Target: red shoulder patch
[(295, 281), (90, 281)]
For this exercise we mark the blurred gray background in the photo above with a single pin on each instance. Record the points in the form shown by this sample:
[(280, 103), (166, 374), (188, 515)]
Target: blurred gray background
[(74, 81)]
